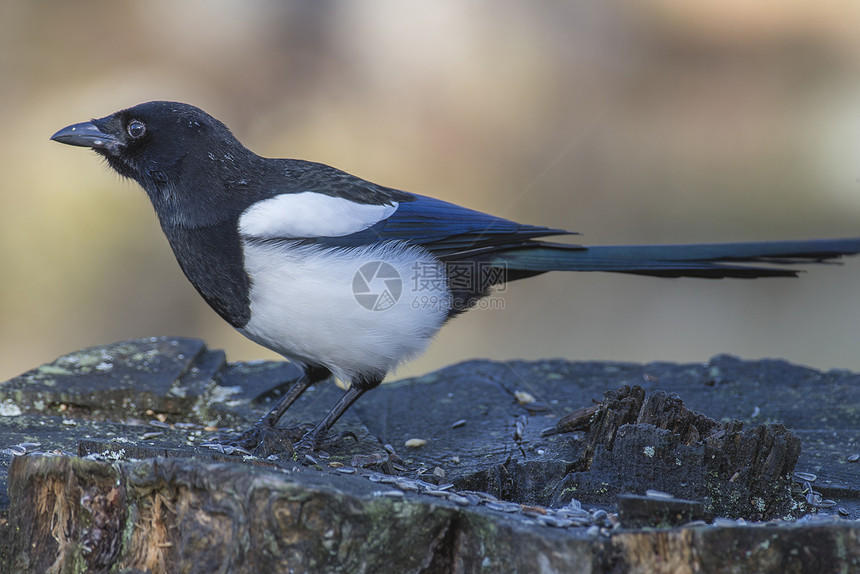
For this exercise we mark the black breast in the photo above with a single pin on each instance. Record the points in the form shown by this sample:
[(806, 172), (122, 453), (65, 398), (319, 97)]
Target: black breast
[(211, 258)]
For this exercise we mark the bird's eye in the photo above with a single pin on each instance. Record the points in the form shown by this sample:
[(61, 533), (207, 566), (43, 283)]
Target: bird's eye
[(135, 128)]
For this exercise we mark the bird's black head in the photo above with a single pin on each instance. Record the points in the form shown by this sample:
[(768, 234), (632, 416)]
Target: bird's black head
[(185, 159)]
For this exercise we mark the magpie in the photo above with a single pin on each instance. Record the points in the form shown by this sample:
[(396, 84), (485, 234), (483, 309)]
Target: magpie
[(345, 277)]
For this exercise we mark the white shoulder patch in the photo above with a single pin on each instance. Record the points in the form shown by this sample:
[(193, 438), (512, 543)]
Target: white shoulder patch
[(310, 214)]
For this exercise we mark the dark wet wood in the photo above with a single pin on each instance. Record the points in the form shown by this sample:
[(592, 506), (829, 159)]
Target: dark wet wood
[(140, 411)]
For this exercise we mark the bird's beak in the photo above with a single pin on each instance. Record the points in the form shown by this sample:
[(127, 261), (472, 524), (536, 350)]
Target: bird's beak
[(85, 134)]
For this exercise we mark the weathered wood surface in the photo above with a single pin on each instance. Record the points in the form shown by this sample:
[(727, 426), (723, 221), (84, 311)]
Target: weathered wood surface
[(179, 515), (111, 512)]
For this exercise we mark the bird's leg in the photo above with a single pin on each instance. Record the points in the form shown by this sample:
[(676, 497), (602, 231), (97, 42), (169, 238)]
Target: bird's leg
[(310, 377), (311, 440), (251, 438)]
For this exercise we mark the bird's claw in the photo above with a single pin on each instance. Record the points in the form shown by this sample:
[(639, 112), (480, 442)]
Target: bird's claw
[(263, 440), (311, 443), (260, 440)]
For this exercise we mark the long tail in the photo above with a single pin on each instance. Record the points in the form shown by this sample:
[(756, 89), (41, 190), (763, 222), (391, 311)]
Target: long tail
[(712, 260)]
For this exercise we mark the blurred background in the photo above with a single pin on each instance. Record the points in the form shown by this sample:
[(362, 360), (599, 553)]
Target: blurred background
[(628, 121)]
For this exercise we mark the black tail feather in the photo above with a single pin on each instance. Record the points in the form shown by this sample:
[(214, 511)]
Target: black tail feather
[(711, 260)]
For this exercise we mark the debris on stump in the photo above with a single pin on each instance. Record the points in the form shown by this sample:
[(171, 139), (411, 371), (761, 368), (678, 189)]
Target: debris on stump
[(634, 443)]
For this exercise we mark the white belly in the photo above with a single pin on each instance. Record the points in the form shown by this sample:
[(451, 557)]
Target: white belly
[(340, 307)]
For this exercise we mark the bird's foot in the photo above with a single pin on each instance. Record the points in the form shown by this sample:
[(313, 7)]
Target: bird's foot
[(262, 440), (312, 442)]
